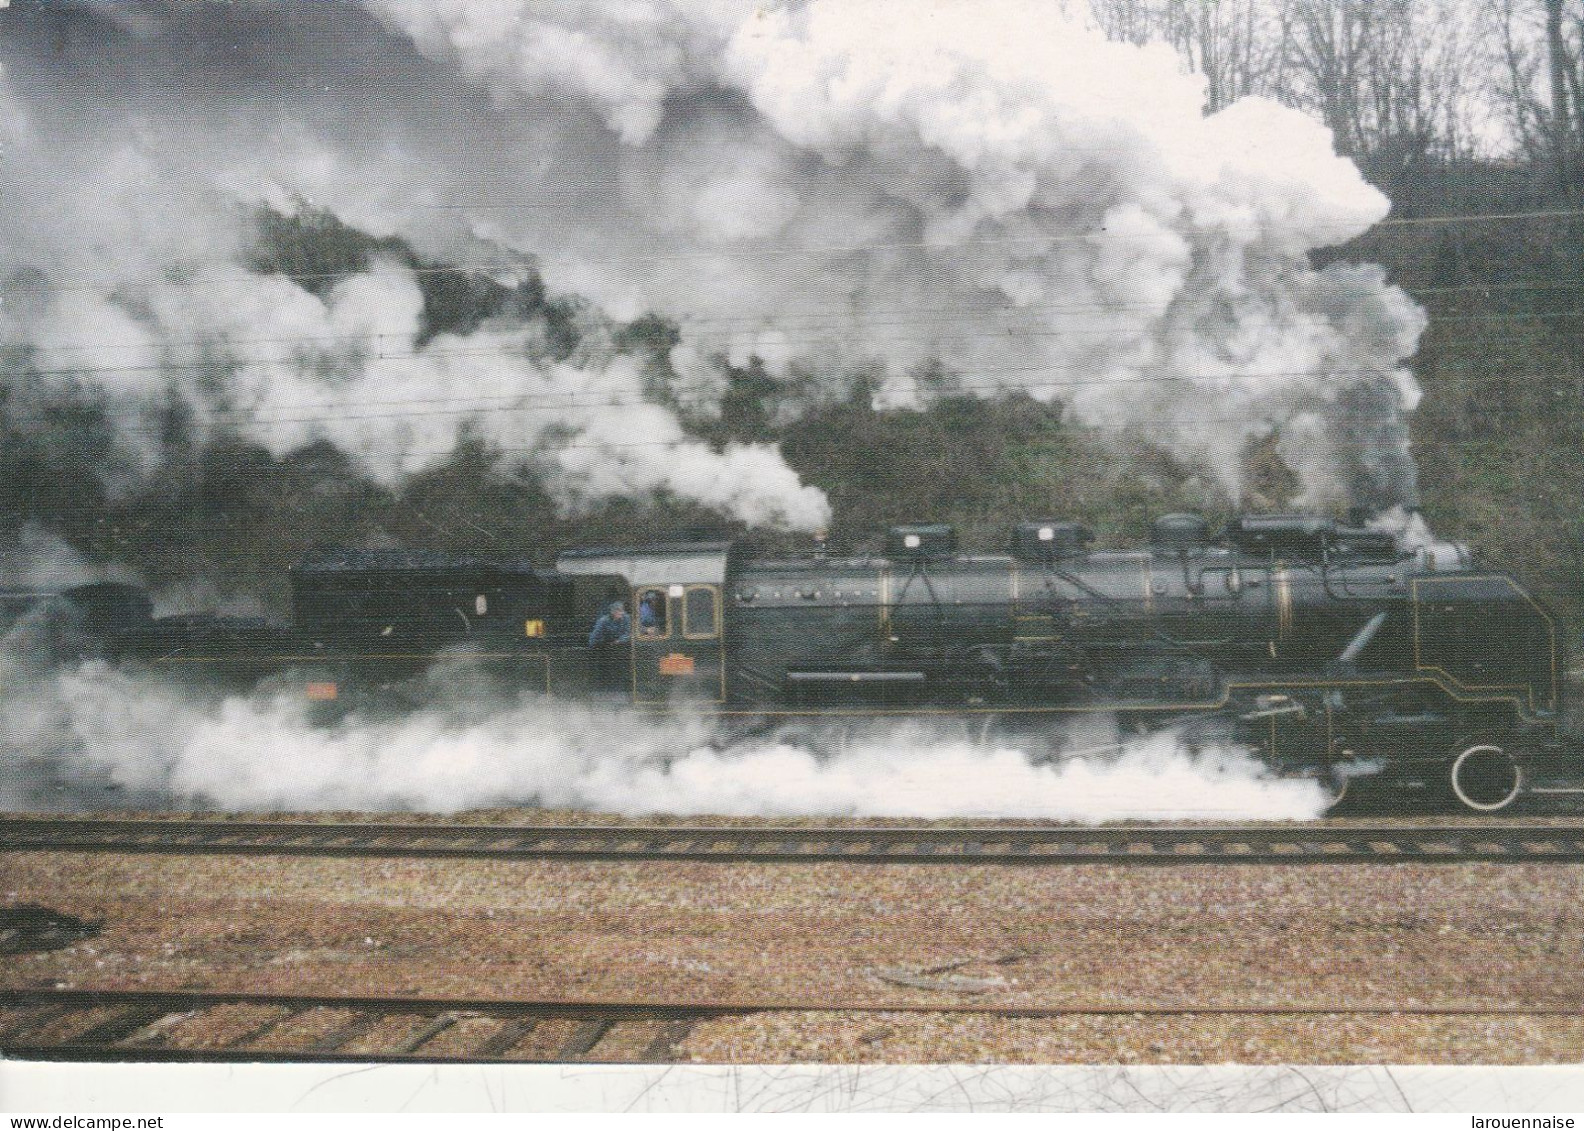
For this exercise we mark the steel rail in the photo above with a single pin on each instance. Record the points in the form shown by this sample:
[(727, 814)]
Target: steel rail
[(131, 1024), (990, 844)]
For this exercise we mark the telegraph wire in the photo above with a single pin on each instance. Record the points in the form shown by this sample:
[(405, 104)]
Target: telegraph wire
[(834, 317), (528, 261), (591, 398), (519, 350)]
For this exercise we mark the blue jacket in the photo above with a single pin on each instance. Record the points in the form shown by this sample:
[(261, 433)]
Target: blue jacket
[(609, 630)]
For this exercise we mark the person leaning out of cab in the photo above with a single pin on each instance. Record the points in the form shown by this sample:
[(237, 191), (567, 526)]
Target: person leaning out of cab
[(612, 628)]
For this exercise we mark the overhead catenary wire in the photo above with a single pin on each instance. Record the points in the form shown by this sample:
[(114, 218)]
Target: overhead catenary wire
[(592, 397), (835, 317), (529, 261), (520, 349)]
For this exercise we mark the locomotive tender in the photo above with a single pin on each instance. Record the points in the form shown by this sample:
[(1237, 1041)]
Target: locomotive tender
[(1330, 650)]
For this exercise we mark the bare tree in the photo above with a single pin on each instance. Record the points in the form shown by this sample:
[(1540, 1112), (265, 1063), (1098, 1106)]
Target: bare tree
[(1514, 86), (1564, 32), (1386, 75), (1541, 83), (1129, 21), (1389, 77), (1235, 44)]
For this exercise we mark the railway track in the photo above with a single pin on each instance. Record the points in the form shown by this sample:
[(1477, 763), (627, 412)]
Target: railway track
[(1131, 845), (122, 1025)]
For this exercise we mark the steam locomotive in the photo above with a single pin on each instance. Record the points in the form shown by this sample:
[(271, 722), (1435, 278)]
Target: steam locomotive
[(1333, 651)]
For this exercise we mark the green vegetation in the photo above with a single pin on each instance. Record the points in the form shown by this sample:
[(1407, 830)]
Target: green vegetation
[(1499, 436)]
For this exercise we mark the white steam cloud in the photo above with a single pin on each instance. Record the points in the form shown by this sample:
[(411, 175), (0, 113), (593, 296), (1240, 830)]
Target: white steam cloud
[(987, 192), (988, 186), (99, 736), (124, 261)]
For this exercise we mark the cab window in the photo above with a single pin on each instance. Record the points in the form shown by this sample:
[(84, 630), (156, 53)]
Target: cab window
[(653, 621), (698, 612)]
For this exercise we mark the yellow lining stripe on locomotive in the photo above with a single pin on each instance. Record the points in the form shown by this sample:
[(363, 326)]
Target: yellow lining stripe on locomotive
[(1454, 681), (1430, 678), (1203, 705)]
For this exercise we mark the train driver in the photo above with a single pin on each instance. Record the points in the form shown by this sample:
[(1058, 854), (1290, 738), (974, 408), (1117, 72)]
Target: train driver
[(612, 628), (610, 631)]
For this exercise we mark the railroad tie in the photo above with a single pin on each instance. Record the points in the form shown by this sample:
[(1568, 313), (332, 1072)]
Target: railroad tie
[(663, 1048), (37, 1017), (504, 1039), (359, 1025), (588, 1034), (115, 1029), (259, 1030), (429, 1032)]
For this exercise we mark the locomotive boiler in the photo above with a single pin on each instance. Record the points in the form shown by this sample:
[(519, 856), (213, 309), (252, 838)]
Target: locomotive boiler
[(1330, 650)]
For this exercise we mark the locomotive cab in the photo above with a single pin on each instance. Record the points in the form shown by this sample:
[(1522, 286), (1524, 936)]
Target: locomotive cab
[(673, 596)]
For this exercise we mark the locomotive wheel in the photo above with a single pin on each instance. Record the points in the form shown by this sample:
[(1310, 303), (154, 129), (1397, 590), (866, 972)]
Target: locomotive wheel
[(1485, 777), (1334, 789)]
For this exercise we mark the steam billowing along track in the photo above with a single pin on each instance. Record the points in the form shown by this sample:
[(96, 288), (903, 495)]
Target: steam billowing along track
[(1127, 845), (139, 1025)]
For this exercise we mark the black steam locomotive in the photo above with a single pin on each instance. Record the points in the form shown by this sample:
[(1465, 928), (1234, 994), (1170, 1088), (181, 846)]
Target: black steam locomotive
[(1334, 651)]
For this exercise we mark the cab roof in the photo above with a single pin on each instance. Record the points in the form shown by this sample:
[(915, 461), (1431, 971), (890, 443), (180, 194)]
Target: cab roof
[(703, 562)]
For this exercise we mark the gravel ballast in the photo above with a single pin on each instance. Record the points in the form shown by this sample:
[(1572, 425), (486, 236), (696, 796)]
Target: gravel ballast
[(830, 935)]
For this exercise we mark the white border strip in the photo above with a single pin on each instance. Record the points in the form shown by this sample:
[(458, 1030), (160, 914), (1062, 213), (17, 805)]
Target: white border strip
[(495, 1089)]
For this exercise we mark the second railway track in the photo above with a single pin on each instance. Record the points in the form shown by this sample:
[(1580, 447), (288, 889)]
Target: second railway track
[(143, 1025), (1125, 845)]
